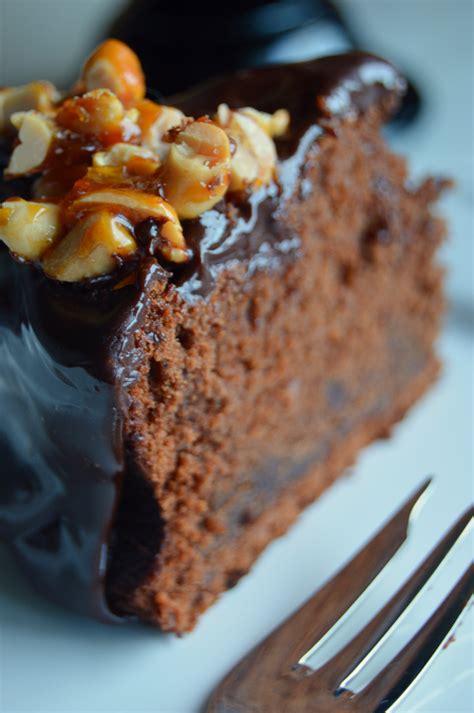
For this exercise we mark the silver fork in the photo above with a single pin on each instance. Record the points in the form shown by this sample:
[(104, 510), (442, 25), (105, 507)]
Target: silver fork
[(314, 662)]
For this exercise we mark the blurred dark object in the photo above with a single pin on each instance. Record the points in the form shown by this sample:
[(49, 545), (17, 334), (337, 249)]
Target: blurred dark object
[(182, 47)]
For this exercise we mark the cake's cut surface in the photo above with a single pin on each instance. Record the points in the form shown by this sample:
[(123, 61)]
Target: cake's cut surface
[(169, 419)]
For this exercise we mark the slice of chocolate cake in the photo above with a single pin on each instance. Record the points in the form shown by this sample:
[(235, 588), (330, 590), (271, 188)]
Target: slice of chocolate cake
[(204, 321)]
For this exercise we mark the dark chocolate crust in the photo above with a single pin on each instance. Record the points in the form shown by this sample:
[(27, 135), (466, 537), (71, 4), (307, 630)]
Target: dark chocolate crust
[(74, 502)]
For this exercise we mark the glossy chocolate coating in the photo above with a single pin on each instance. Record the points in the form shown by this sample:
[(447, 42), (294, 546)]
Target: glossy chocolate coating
[(340, 86), (67, 354)]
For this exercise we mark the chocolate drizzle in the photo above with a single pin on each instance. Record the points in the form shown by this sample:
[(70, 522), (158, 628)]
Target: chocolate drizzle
[(67, 354)]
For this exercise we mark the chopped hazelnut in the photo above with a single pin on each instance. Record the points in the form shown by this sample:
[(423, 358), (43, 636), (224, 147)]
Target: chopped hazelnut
[(113, 65), (39, 96), (137, 206), (275, 124), (254, 160), (122, 154), (90, 249), (99, 114), (28, 228), (36, 134), (155, 120), (196, 173)]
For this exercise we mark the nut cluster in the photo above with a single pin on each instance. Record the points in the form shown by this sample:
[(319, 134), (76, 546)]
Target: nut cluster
[(106, 159)]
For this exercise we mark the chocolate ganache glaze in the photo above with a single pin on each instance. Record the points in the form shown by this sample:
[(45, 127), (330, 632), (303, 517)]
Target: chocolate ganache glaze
[(67, 352)]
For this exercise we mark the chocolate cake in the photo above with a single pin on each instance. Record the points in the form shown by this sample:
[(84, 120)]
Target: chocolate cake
[(202, 320)]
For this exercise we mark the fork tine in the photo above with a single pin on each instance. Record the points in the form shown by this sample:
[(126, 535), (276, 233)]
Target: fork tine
[(390, 683), (452, 580), (362, 643), (273, 661), (414, 687), (362, 610)]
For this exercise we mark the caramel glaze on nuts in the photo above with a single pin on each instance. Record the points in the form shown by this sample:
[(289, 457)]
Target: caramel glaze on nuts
[(116, 173)]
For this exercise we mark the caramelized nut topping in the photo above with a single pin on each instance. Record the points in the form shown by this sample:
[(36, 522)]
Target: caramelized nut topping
[(118, 172), (155, 121), (123, 155), (254, 161), (35, 133), (274, 125), (115, 66), (196, 173), (98, 114), (40, 96), (92, 248), (137, 206), (27, 228)]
